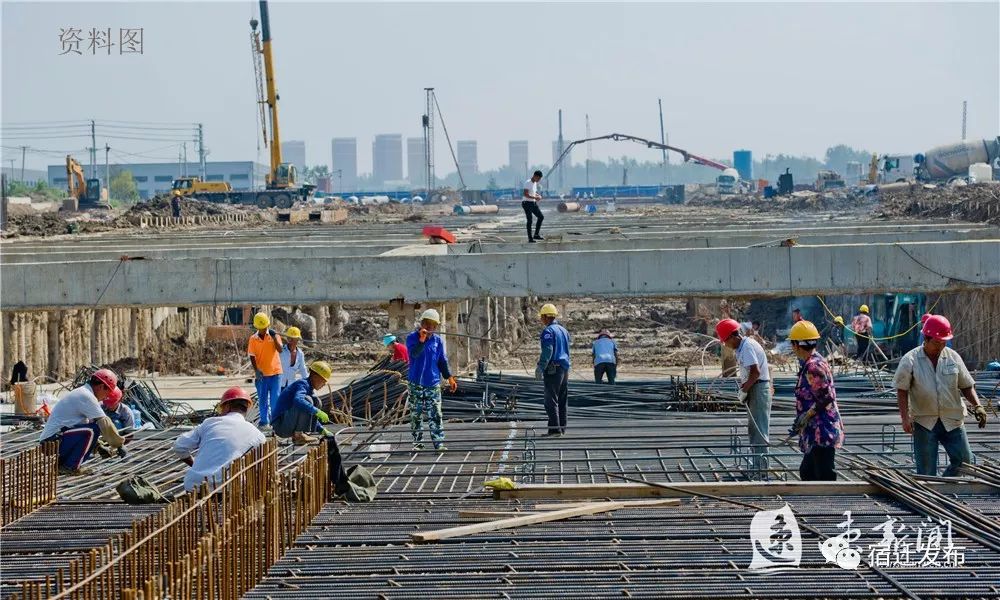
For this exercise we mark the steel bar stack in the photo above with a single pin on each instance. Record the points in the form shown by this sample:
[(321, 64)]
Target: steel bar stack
[(28, 481)]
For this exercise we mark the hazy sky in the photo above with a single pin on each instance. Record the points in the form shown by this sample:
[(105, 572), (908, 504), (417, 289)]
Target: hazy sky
[(792, 78)]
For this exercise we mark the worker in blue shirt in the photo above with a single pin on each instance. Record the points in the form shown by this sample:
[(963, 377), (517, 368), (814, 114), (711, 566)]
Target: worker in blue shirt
[(553, 368), (605, 353), (297, 411), (428, 365)]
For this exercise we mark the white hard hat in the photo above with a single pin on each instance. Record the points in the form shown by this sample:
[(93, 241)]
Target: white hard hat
[(431, 315)]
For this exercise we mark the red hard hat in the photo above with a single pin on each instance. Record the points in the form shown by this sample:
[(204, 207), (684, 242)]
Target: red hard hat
[(937, 327), (107, 377), (726, 328), (924, 318), (235, 393), (113, 398)]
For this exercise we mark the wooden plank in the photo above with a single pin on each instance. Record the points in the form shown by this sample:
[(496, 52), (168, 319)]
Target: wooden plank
[(625, 503), (734, 489), (490, 514), (556, 515)]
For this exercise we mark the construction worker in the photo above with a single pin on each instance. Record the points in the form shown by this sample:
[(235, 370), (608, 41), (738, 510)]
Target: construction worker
[(119, 413), (529, 202), (428, 366), (605, 353), (930, 382), (293, 361), (796, 315), (78, 421), (218, 441), (835, 341), (817, 417), (264, 349), (398, 349), (755, 389), (553, 368), (298, 412), (861, 324)]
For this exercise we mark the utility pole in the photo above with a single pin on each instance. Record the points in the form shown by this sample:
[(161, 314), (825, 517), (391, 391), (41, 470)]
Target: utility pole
[(559, 146), (201, 153), (428, 123), (185, 146), (93, 150), (24, 149), (965, 108), (663, 139), (107, 168), (590, 155)]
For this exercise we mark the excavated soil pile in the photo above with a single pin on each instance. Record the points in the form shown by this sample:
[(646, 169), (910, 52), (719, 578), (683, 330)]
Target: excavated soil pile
[(47, 224), (977, 203)]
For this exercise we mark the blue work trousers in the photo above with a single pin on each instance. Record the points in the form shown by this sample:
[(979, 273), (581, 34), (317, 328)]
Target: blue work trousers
[(759, 424), (925, 448), (76, 444), (268, 388)]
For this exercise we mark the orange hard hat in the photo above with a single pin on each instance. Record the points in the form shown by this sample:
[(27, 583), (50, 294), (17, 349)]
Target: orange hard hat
[(235, 393), (113, 398), (937, 327), (726, 328)]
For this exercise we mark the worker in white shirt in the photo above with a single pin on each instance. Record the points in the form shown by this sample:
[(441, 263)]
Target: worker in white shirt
[(754, 378), (78, 421), (529, 202), (930, 382), (293, 361), (218, 441)]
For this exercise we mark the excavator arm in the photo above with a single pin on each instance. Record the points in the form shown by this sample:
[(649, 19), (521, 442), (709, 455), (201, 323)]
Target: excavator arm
[(77, 185)]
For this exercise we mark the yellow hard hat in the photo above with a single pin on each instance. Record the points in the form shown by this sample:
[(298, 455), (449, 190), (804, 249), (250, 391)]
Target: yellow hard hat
[(864, 308), (293, 333), (803, 331), (548, 310), (261, 321), (321, 368), (839, 320)]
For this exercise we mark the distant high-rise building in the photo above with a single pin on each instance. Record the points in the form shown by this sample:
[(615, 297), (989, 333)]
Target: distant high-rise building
[(345, 159), (387, 158), (416, 163), (517, 151), (556, 151), (468, 157), (294, 151)]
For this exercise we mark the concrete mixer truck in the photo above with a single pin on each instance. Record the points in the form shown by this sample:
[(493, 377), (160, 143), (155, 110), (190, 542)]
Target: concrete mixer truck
[(953, 160)]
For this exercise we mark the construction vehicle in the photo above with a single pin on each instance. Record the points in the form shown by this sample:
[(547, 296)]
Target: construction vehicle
[(786, 183), (282, 187), (895, 322), (728, 182), (953, 160), (829, 180), (192, 186), (88, 192), (895, 168)]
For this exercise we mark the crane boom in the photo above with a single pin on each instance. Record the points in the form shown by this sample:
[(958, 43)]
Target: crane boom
[(622, 137), (272, 89)]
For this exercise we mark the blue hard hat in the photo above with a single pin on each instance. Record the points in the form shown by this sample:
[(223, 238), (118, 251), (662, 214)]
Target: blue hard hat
[(388, 339)]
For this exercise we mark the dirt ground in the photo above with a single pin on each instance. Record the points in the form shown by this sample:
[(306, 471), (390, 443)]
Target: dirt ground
[(977, 203)]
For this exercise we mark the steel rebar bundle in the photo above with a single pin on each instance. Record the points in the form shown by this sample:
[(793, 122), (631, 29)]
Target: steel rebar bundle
[(28, 481)]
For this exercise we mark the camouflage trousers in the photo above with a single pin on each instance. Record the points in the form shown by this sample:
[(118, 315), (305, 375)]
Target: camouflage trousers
[(425, 401)]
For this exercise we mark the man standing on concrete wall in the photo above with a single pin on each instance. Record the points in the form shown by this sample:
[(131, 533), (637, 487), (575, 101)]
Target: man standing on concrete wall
[(931, 381), (529, 202), (553, 368), (755, 387)]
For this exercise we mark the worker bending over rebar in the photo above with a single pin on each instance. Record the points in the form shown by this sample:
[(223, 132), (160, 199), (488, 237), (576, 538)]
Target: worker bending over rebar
[(298, 412)]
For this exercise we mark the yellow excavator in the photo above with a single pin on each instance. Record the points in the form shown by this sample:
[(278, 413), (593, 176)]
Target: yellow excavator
[(282, 187), (88, 192)]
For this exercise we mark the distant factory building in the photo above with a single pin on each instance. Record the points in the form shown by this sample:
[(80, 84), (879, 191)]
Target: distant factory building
[(153, 179), (468, 156), (345, 160), (416, 163), (517, 152), (387, 158), (557, 151), (29, 176), (294, 151)]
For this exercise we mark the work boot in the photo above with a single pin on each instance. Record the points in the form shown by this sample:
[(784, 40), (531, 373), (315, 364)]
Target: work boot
[(538, 236), (300, 439), (418, 446), (531, 240), (441, 448), (72, 472)]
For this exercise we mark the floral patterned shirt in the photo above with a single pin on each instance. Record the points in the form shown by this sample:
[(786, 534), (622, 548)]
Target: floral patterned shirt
[(815, 389)]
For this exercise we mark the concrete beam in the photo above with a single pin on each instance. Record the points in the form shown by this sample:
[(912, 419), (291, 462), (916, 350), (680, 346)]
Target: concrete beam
[(712, 272)]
